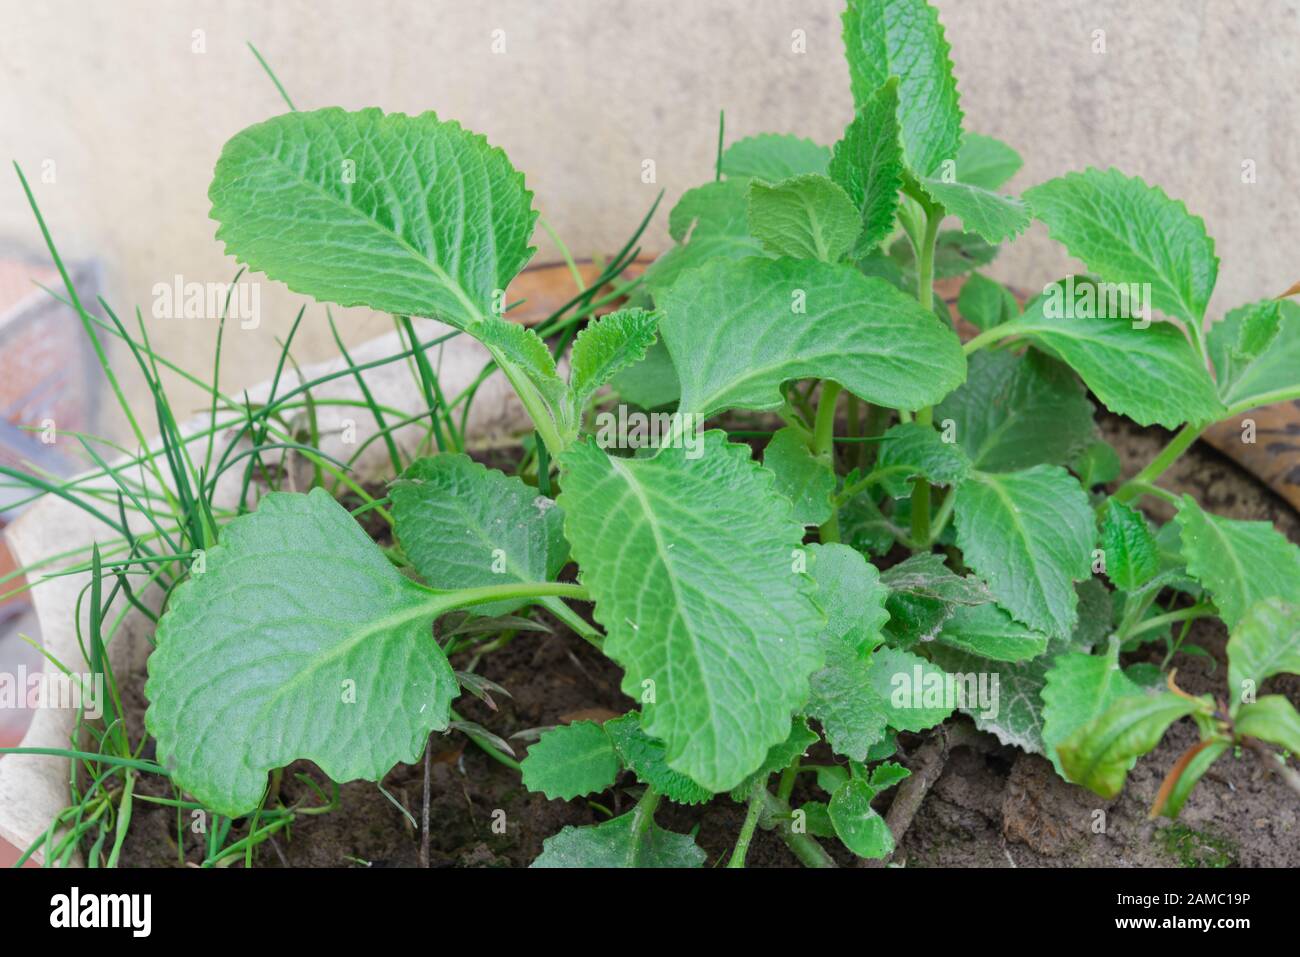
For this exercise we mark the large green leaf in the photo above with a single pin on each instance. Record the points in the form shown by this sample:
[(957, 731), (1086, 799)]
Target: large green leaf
[(1029, 535), (299, 640), (1265, 642), (570, 761), (1239, 563), (689, 562), (1128, 232), (903, 38), (868, 163), (665, 271), (738, 330), (1078, 689), (462, 524), (411, 215), (1014, 411), (629, 840), (1256, 354), (805, 217), (1151, 375), (773, 157)]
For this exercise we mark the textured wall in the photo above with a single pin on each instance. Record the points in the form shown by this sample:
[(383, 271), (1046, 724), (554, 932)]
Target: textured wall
[(587, 89)]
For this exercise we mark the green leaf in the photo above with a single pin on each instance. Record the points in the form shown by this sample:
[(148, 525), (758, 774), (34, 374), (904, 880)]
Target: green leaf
[(300, 640), (1096, 464), (846, 703), (850, 592), (404, 214), (1132, 557), (989, 215), (779, 757), (774, 157), (1239, 563), (646, 757), (525, 349), (1078, 689), (652, 382), (715, 209), (988, 631), (804, 479), (868, 163), (1151, 375), (986, 162), (689, 563), (924, 594), (1100, 754), (1272, 718), (985, 303), (805, 217), (886, 774), (1265, 642), (903, 38), (1029, 535), (1192, 773), (628, 840), (912, 689), (1128, 232), (570, 761), (608, 346), (909, 449), (863, 831), (462, 525), (1016, 411), (665, 271), (1256, 353), (738, 330)]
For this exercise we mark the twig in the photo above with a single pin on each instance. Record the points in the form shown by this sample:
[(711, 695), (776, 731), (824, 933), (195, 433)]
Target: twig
[(1275, 761), (424, 814)]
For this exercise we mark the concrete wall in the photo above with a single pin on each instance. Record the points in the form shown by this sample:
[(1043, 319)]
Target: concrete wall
[(133, 118)]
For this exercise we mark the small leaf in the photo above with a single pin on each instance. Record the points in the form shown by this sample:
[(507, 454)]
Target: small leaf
[(868, 163), (715, 209), (903, 38), (738, 330), (608, 346), (909, 449), (1128, 232), (463, 525), (1239, 563), (646, 757), (774, 157), (805, 217), (1132, 556), (988, 631), (570, 761), (1265, 642), (1096, 464), (1256, 353), (1272, 718), (856, 823), (850, 592), (625, 841), (1029, 535), (1100, 754), (986, 162), (985, 303), (805, 480), (991, 216), (525, 349), (1198, 760)]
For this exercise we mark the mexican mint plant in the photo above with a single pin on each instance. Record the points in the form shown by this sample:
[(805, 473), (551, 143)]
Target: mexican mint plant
[(928, 530)]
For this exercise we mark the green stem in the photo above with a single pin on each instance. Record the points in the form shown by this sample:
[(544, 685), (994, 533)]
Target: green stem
[(988, 336), (803, 846), (925, 417), (1176, 447), (941, 517), (643, 818), (823, 448), (751, 822), (1201, 610)]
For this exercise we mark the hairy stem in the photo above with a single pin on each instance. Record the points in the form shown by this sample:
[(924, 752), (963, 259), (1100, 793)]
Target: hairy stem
[(751, 821)]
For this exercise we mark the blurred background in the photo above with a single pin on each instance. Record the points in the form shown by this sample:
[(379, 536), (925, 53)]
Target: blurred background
[(117, 112)]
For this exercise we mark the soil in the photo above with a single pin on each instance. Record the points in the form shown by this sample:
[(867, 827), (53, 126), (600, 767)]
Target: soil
[(992, 806)]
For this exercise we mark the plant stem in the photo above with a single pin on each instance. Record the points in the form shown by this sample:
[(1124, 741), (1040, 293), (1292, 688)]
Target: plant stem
[(643, 818), (802, 846), (1201, 610), (1176, 447), (925, 417), (823, 448), (751, 822)]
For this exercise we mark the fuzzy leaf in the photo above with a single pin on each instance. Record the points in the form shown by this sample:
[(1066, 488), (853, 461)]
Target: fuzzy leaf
[(1079, 688), (462, 524), (774, 157), (608, 346), (1128, 232), (908, 704), (652, 382), (644, 756), (1132, 556), (1272, 718), (903, 38), (868, 163), (570, 761), (410, 215), (624, 841), (801, 477), (846, 703), (715, 209), (988, 631), (908, 450), (805, 217), (856, 823), (1265, 642), (850, 592), (300, 640), (989, 215), (1029, 535), (689, 563), (986, 162), (985, 303), (1256, 353), (1239, 563), (738, 330), (525, 349), (1016, 411)]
